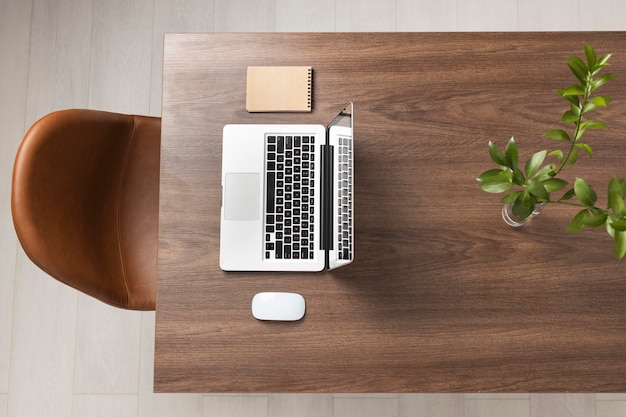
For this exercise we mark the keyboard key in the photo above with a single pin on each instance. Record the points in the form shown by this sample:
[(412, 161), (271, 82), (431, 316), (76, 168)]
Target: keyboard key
[(278, 253), (270, 192)]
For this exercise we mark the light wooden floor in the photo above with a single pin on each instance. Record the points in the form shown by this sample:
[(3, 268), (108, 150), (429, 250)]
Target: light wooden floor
[(63, 354)]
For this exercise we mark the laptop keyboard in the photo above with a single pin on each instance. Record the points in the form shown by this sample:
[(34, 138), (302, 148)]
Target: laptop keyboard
[(290, 199), (344, 198)]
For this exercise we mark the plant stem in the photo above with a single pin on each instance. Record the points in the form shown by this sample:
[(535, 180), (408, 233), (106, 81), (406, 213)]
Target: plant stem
[(577, 129), (566, 203)]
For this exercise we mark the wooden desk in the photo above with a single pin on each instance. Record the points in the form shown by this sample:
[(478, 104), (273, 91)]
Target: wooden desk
[(442, 295)]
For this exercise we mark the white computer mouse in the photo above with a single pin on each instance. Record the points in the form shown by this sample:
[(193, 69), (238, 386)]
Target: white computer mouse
[(278, 306)]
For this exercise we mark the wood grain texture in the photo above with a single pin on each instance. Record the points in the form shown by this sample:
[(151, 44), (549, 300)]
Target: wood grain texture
[(442, 296)]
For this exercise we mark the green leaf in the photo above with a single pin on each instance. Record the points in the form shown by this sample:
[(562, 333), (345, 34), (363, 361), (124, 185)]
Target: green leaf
[(558, 134), (595, 221), (585, 148), (496, 187), (602, 62), (589, 107), (537, 189), (616, 196), (579, 69), (534, 162), (574, 100), (573, 90), (590, 54), (590, 124), (601, 101), (569, 194), (577, 224), (554, 184), (490, 175), (620, 244), (511, 197), (523, 206), (619, 226), (518, 177), (496, 154), (545, 173), (600, 81), (510, 154), (558, 153), (584, 192), (569, 117), (609, 228)]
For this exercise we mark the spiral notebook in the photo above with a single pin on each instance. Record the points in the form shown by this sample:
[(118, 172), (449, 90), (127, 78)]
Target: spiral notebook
[(279, 89)]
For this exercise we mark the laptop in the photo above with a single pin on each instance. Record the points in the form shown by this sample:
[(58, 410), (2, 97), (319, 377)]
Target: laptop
[(288, 196)]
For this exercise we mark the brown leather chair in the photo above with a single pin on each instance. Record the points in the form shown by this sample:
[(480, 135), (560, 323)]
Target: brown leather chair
[(85, 203)]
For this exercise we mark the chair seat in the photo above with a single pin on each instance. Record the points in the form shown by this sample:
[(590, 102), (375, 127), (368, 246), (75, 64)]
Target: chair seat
[(85, 202)]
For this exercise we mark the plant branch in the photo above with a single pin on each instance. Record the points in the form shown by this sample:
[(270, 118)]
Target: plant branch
[(578, 122)]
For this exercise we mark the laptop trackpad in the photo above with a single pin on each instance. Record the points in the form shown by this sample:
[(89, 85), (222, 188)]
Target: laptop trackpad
[(242, 192)]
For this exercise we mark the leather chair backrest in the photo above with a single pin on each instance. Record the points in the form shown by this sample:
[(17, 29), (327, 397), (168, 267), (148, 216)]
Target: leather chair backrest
[(85, 202)]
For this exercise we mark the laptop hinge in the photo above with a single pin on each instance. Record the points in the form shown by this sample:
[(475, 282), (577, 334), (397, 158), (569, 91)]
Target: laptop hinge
[(326, 241)]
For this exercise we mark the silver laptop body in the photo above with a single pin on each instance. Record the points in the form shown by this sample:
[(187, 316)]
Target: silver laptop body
[(288, 196)]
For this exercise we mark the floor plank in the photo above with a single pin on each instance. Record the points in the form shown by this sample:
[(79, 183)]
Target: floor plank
[(305, 16), (44, 342), (236, 405), (496, 408), (301, 405), (440, 405), (14, 46), (487, 15), (426, 16), (365, 16), (554, 15), (366, 406), (107, 349), (121, 52), (105, 405), (562, 405), (244, 15), (58, 76)]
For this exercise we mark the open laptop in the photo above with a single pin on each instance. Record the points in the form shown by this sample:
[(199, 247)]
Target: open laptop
[(288, 196)]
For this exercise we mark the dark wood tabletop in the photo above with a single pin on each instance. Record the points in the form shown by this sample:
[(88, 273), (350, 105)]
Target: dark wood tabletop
[(442, 295)]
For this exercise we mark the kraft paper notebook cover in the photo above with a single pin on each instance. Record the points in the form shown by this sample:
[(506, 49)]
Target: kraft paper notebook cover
[(275, 89)]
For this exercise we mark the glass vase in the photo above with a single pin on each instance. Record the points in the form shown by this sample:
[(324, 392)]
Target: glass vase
[(513, 220)]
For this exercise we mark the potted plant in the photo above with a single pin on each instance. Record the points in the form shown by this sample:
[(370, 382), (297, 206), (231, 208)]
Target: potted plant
[(530, 188)]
